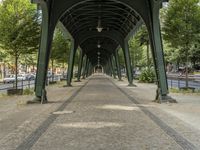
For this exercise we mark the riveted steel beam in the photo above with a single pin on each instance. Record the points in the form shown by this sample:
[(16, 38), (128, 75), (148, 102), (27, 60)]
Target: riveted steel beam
[(44, 54), (157, 52), (129, 72), (119, 19), (116, 55), (80, 65), (74, 46)]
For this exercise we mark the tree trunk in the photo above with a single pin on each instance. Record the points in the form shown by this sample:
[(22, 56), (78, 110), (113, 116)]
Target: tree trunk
[(52, 65), (148, 59), (34, 68), (186, 70), (16, 70), (4, 70), (1, 71)]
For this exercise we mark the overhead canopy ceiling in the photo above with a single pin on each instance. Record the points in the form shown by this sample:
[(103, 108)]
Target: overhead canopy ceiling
[(111, 17)]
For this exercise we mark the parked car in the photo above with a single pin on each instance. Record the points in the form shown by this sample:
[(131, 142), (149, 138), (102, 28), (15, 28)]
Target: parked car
[(30, 77), (10, 78), (21, 77)]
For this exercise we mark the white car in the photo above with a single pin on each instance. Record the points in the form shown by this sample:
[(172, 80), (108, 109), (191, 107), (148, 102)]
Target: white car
[(9, 78), (21, 77)]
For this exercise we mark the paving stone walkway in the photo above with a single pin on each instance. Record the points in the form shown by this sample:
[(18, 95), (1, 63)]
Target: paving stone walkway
[(101, 114)]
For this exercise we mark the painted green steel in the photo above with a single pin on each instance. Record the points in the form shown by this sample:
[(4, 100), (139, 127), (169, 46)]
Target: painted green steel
[(80, 65), (120, 19), (116, 55), (84, 66), (74, 47), (44, 52), (157, 51), (129, 72), (113, 67), (110, 67)]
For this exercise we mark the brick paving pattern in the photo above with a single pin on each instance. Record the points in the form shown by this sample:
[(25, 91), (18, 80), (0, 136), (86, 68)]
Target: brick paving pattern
[(100, 114)]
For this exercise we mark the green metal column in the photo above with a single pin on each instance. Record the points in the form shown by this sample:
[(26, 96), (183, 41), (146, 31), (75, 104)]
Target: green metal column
[(88, 66), (106, 69), (90, 69), (127, 59), (157, 51), (113, 66), (116, 55), (43, 55), (110, 67), (74, 47), (84, 66), (80, 66)]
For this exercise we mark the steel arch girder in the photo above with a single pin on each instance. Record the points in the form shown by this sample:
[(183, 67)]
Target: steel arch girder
[(112, 35), (61, 6)]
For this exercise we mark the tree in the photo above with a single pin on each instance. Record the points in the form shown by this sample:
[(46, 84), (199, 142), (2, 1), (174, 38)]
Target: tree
[(60, 48), (29, 60), (19, 29), (136, 51), (181, 27)]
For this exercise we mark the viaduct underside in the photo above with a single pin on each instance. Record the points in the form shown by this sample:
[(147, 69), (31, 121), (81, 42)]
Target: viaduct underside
[(99, 28)]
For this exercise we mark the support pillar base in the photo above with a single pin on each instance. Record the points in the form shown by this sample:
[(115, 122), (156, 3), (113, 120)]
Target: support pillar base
[(164, 99), (38, 100), (132, 85), (68, 85), (35, 100), (77, 81)]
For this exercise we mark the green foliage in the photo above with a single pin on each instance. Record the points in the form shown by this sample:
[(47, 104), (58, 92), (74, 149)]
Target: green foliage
[(121, 56), (147, 76), (60, 50), (28, 91), (28, 59), (139, 47), (181, 27), (184, 91), (136, 51), (60, 47), (19, 29)]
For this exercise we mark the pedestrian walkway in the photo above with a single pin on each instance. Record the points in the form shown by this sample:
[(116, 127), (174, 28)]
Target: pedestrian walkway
[(101, 114)]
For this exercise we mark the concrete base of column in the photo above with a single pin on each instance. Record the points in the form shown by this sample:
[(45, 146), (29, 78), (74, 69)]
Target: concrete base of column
[(132, 85), (77, 81), (38, 100), (164, 99), (68, 85)]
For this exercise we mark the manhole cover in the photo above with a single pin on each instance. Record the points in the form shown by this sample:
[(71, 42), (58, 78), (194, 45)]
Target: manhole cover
[(62, 112)]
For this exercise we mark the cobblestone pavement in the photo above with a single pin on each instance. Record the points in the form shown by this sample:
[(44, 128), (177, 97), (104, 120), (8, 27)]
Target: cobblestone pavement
[(99, 114)]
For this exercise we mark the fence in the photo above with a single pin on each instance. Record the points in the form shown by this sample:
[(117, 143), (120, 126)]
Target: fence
[(23, 84), (180, 82)]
